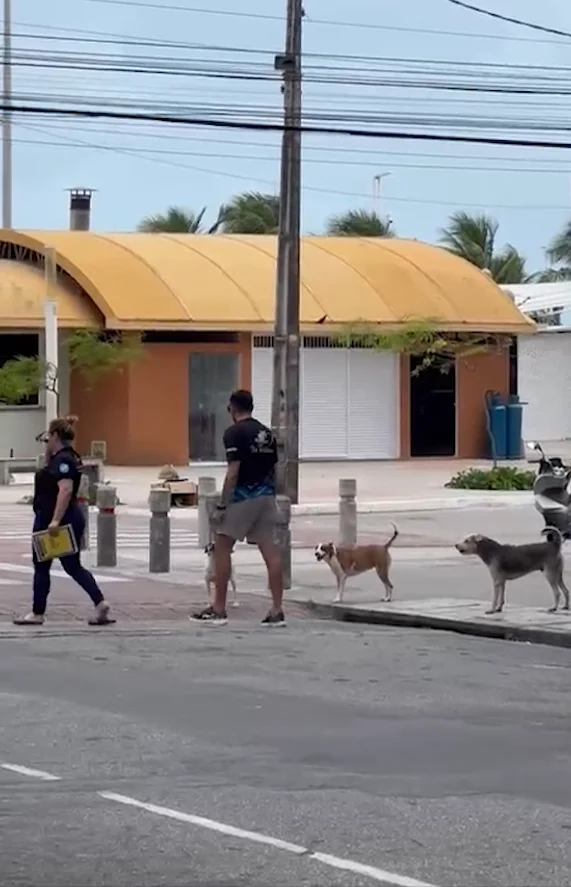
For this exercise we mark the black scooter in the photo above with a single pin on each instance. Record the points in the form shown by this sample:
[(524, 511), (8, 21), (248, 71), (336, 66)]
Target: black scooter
[(551, 490)]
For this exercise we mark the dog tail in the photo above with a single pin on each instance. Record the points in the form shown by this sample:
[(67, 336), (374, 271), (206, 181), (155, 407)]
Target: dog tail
[(553, 536), (393, 537)]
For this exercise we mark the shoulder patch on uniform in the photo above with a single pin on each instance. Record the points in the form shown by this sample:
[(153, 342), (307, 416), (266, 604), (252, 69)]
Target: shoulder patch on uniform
[(64, 468)]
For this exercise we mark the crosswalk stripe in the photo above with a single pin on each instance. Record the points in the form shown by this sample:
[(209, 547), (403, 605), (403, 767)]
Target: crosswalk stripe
[(57, 571)]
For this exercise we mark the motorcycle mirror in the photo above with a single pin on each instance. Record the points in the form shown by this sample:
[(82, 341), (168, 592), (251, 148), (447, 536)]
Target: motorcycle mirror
[(531, 444)]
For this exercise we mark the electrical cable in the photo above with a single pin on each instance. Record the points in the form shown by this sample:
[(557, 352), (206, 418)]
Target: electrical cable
[(272, 184), (471, 35), (503, 18), (170, 152), (218, 123)]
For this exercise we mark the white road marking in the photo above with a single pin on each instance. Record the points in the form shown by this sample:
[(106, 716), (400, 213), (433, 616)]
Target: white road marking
[(57, 571), (28, 771), (347, 865)]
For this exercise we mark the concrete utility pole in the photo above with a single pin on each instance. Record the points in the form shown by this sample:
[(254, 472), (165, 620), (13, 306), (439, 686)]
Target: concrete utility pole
[(285, 393), (7, 118)]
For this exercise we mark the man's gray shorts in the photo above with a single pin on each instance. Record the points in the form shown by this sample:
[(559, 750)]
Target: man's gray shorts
[(252, 519)]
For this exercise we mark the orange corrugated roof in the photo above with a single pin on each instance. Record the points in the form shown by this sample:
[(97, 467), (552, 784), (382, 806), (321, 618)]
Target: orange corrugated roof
[(170, 281), (23, 292)]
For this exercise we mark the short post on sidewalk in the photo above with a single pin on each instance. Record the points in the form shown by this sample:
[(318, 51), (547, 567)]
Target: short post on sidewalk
[(283, 536), (83, 503), (212, 500), (206, 486), (106, 499), (347, 511), (160, 531)]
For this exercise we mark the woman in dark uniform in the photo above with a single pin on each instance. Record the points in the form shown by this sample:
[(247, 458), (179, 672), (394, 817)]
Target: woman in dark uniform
[(55, 503)]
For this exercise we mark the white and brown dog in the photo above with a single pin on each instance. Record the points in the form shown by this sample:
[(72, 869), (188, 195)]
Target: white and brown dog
[(351, 560), (210, 575)]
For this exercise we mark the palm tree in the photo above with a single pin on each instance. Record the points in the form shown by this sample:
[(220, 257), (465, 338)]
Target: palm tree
[(176, 221), (359, 223), (474, 238), (251, 213), (559, 256)]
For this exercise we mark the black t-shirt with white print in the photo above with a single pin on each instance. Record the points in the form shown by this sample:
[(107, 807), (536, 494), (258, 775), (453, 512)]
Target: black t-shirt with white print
[(254, 446)]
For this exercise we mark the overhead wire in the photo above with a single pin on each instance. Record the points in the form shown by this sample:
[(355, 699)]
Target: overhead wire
[(334, 192), (517, 85), (256, 126), (151, 153), (545, 29), (403, 29)]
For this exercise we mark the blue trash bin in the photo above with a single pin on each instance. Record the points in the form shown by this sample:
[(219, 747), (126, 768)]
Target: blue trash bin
[(496, 416), (514, 416)]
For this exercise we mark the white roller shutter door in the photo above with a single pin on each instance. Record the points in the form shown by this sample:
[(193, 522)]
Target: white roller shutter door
[(323, 432), (373, 408), (544, 384), (348, 401), (262, 370)]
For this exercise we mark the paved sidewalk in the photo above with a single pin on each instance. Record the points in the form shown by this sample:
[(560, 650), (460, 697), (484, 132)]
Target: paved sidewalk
[(382, 487), (135, 598)]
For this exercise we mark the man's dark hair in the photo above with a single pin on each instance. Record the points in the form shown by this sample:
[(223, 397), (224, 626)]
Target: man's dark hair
[(242, 401)]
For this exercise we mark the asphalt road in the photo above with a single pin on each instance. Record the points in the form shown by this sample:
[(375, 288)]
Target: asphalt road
[(378, 755), (430, 528)]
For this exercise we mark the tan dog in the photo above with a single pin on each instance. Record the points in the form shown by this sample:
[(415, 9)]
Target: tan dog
[(351, 560), (210, 576)]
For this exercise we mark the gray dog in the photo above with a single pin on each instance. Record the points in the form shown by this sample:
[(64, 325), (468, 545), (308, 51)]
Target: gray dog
[(507, 562)]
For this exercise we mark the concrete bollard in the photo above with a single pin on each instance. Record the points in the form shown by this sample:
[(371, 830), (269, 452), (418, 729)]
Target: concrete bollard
[(94, 471), (160, 531), (211, 502), (283, 537), (83, 502), (206, 486), (106, 499), (347, 511)]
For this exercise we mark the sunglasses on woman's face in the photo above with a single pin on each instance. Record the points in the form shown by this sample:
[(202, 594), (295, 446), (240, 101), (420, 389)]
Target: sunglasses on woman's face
[(43, 437)]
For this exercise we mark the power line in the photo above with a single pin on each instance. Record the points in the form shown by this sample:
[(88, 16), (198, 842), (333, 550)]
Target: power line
[(377, 27), (508, 18), (169, 152), (217, 123), (88, 129), (103, 39)]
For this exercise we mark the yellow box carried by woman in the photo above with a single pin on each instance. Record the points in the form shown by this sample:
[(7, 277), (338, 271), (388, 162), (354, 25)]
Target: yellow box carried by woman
[(50, 545)]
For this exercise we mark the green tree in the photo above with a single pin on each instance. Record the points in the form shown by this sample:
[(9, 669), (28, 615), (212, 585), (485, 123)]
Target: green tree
[(250, 213), (177, 221), (92, 354), (559, 256), (421, 338), (474, 238), (359, 223)]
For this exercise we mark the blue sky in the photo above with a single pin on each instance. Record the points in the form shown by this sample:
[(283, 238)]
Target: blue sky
[(527, 190)]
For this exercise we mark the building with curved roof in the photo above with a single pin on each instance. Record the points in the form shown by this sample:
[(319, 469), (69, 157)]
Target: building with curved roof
[(184, 281), (206, 307)]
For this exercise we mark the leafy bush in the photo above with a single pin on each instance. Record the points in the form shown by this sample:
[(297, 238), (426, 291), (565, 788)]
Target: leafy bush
[(507, 477)]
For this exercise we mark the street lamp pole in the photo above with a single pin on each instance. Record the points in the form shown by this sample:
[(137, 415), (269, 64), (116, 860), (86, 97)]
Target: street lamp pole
[(285, 391)]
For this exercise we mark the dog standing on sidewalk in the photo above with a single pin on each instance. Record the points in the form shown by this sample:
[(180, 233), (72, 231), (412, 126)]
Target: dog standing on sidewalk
[(508, 562), (210, 575), (351, 560)]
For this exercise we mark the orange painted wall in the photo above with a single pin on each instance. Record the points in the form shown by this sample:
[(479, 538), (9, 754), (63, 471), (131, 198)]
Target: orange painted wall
[(142, 410), (474, 376)]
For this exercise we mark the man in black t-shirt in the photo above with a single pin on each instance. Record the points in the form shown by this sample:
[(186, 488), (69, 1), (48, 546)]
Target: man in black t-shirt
[(247, 507)]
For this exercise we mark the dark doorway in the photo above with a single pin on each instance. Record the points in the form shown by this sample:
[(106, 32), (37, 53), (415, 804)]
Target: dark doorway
[(432, 410)]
